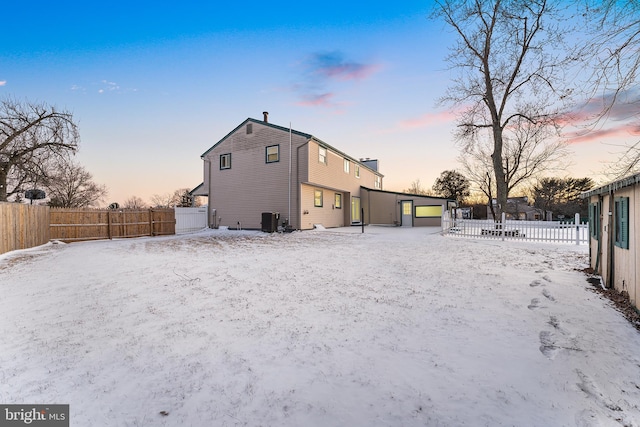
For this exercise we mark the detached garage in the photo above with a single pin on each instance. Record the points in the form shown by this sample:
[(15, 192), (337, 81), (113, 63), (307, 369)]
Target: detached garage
[(407, 210)]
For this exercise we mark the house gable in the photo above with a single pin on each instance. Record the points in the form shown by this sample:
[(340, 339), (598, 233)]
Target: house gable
[(259, 122)]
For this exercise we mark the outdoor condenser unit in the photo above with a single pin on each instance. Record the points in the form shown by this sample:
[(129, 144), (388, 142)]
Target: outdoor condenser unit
[(270, 221)]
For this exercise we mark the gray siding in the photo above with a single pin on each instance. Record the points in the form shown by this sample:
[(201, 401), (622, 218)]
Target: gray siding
[(384, 208), (239, 195), (331, 175), (251, 186)]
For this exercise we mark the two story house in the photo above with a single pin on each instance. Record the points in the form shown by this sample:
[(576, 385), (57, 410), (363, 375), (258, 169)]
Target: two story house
[(260, 167)]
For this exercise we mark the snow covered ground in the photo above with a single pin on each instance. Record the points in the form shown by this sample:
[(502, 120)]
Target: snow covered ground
[(393, 327)]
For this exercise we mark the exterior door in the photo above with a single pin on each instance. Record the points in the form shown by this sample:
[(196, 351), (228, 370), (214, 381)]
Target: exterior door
[(407, 213), (355, 210)]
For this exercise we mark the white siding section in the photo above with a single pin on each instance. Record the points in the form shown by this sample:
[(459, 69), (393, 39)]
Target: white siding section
[(190, 219)]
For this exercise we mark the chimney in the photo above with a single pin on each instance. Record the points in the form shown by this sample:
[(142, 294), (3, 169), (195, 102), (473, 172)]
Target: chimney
[(266, 116)]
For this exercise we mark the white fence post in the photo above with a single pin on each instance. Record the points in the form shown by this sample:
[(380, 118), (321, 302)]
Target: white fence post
[(502, 227), (577, 224)]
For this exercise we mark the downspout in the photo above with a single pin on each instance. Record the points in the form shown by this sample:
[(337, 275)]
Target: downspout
[(290, 155), (207, 164), (598, 233), (610, 264), (298, 189)]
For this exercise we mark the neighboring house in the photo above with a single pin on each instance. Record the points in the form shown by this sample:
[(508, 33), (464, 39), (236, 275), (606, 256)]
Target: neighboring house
[(614, 221), (519, 208), (260, 167)]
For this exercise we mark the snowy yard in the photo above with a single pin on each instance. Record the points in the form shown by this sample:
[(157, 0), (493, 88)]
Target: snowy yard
[(394, 327)]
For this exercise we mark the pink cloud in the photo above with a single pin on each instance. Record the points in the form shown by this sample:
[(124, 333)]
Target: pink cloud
[(321, 72), (332, 65), (428, 119), (322, 100), (622, 131), (621, 107), (349, 71)]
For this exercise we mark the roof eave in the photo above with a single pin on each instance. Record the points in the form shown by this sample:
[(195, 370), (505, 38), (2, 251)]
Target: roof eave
[(612, 186), (284, 129)]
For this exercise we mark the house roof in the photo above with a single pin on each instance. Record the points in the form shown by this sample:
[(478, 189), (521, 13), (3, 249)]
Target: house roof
[(405, 194), (284, 129), (612, 186), (296, 132), (199, 190)]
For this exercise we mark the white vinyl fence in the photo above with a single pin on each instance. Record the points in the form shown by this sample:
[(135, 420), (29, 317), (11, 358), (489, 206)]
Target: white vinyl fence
[(541, 231), (190, 219)]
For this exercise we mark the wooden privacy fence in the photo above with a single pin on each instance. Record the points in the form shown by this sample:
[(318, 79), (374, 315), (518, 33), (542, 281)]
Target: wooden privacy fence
[(72, 225), (23, 226)]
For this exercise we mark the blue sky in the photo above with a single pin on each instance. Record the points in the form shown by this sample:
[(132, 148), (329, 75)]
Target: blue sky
[(152, 87)]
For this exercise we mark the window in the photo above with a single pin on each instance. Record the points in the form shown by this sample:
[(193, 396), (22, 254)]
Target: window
[(225, 161), (621, 212), (338, 201), (378, 183), (429, 211), (594, 220), (273, 154), (317, 198), (347, 164), (249, 128), (322, 155), (355, 209), (406, 208), (357, 171)]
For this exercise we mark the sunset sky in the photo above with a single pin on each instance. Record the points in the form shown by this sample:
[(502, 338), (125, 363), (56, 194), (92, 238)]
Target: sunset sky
[(152, 87)]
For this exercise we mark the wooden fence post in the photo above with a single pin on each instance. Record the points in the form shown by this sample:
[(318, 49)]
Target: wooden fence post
[(151, 231), (109, 225)]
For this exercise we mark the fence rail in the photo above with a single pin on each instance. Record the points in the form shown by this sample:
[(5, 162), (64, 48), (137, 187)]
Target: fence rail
[(538, 231), (23, 226), (72, 225)]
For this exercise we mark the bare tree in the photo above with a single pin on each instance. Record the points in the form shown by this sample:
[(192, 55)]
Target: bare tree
[(528, 152), (179, 197), (69, 185), (509, 69), (476, 163), (611, 52), (167, 200), (417, 188), (30, 134), (612, 49), (134, 202)]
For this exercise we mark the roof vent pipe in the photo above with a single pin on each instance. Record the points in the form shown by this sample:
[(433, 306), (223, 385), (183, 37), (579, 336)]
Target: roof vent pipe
[(266, 116)]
